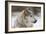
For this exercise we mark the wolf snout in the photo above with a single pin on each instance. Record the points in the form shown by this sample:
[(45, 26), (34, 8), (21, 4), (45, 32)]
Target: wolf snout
[(35, 21)]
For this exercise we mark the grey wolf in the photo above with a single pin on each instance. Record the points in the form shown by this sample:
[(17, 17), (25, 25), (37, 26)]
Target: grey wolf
[(25, 19)]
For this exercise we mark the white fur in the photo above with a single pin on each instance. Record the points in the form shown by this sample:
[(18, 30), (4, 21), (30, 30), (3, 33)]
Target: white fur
[(20, 21)]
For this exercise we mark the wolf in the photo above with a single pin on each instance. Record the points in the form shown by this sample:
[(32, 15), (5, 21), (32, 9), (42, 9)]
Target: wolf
[(25, 19)]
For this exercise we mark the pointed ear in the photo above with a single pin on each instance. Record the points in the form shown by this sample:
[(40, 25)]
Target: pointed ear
[(24, 12)]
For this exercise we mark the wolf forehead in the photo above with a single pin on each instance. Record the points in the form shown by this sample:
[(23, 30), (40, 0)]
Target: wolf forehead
[(28, 11)]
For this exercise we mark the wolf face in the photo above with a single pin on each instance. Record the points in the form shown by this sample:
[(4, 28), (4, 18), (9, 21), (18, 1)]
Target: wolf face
[(26, 18), (29, 17)]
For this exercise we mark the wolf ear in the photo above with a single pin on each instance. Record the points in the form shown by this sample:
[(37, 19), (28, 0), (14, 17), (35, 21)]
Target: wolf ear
[(25, 12)]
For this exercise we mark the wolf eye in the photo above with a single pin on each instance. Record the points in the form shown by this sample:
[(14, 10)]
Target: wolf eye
[(31, 16)]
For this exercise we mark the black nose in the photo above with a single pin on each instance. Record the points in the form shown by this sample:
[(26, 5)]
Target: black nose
[(35, 21)]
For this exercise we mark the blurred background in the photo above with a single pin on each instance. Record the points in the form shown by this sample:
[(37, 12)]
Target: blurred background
[(16, 9)]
